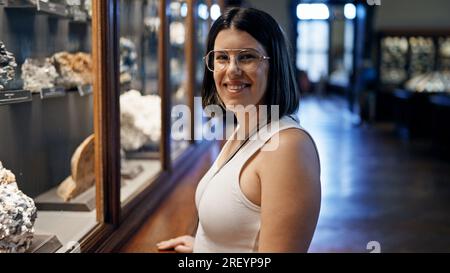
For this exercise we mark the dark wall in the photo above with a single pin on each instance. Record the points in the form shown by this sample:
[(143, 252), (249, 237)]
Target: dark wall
[(413, 14)]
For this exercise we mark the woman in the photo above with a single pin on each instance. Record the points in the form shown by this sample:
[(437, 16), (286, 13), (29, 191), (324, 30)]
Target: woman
[(254, 199)]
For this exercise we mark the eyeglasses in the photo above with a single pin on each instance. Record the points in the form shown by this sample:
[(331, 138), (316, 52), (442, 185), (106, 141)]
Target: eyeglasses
[(246, 59)]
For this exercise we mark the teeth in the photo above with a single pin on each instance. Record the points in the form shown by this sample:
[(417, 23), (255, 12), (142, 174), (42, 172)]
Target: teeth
[(236, 87)]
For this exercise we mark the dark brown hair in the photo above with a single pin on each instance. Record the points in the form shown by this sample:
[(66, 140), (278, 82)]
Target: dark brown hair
[(282, 86)]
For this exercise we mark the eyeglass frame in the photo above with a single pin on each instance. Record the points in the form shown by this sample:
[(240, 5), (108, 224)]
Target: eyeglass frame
[(262, 56)]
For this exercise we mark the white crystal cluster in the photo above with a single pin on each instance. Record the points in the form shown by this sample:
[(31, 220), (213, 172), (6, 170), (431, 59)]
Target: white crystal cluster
[(140, 120), (88, 7), (7, 66), (38, 74), (73, 2), (17, 215)]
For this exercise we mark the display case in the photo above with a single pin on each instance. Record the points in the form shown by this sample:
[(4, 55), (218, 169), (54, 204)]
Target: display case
[(46, 108), (412, 66), (140, 98), (404, 56), (86, 96)]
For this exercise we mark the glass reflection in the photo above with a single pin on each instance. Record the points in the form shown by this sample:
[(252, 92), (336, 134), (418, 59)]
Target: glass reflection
[(140, 102), (178, 15)]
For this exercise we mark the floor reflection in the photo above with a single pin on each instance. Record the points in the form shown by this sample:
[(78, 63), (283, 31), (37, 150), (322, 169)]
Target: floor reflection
[(375, 187)]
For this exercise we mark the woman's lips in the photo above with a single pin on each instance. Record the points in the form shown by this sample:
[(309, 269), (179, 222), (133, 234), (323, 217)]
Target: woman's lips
[(236, 88)]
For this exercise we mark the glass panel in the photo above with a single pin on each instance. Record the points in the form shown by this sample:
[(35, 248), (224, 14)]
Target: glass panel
[(394, 52), (349, 38), (313, 35), (316, 64), (313, 44), (140, 103), (202, 29), (422, 55), (341, 50), (203, 20), (46, 111), (444, 54), (180, 133)]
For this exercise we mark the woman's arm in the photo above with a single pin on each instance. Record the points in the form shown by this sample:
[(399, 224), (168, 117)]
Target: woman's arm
[(290, 193)]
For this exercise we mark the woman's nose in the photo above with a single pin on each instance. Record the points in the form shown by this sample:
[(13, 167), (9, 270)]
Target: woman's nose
[(233, 67)]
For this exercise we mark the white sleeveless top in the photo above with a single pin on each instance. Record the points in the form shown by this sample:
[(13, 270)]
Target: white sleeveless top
[(228, 221)]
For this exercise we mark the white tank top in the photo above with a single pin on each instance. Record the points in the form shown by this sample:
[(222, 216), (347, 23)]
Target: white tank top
[(228, 221)]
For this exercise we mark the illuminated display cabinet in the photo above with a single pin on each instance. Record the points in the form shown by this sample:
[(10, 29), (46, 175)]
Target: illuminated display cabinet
[(413, 80), (86, 93)]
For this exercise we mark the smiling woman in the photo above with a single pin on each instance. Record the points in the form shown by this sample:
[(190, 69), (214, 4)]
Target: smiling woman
[(255, 199), (241, 80)]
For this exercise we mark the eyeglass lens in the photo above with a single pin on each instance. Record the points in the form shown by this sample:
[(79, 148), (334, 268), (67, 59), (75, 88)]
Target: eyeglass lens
[(247, 60)]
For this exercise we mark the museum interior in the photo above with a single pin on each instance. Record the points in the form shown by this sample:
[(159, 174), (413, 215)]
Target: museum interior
[(91, 171)]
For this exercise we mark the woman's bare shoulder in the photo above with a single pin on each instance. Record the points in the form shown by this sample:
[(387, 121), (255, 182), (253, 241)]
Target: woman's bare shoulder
[(291, 142)]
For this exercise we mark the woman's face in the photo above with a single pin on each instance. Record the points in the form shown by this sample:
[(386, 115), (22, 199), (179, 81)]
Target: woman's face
[(234, 85)]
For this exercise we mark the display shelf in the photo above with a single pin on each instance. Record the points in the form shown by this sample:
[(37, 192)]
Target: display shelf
[(403, 55), (20, 96), (15, 96), (131, 187), (49, 8), (51, 201), (67, 226), (44, 244), (143, 153)]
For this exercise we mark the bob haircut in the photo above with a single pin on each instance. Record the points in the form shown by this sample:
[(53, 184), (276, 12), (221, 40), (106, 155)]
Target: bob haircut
[(282, 86)]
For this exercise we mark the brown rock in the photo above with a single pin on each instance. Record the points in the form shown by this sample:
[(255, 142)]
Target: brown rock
[(83, 172)]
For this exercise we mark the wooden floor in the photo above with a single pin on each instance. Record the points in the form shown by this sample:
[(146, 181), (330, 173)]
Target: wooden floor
[(375, 187)]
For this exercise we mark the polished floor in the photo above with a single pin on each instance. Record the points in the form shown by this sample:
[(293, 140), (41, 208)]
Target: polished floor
[(379, 192), (376, 186)]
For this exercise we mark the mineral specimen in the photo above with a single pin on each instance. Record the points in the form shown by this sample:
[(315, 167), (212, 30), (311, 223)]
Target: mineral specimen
[(74, 69), (128, 60), (38, 74), (140, 120), (83, 173), (433, 82), (17, 215), (88, 7), (394, 51), (7, 66)]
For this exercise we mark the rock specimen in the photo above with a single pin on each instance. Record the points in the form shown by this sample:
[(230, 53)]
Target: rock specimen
[(140, 120), (88, 7), (83, 171), (433, 82), (74, 69), (128, 60), (38, 74), (17, 215), (7, 66)]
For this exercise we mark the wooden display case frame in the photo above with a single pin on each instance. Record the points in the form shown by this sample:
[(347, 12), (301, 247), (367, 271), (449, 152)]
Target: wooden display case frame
[(116, 223)]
